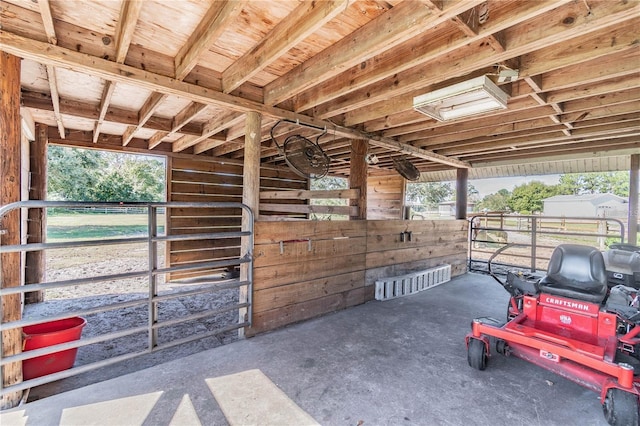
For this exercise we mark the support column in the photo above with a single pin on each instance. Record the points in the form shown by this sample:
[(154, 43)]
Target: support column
[(634, 189), (250, 197), (10, 136), (36, 265), (461, 193), (358, 177)]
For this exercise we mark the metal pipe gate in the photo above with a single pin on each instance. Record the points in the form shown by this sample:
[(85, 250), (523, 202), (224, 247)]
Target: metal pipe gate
[(154, 270), (535, 237)]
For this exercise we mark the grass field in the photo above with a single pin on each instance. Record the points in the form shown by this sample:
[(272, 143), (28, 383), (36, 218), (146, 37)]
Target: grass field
[(97, 226)]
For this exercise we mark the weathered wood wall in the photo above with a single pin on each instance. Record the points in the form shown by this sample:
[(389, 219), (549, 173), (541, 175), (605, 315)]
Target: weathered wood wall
[(385, 197), (427, 243), (305, 269), (212, 181)]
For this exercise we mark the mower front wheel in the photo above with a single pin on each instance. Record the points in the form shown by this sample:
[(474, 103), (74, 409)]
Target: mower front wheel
[(477, 354), (620, 407)]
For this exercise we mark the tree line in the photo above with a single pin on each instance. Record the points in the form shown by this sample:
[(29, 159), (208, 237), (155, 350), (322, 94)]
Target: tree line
[(91, 175), (526, 198)]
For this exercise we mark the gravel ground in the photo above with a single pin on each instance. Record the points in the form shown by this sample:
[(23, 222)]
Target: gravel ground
[(83, 263)]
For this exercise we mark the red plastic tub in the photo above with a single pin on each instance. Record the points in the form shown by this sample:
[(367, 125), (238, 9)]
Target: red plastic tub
[(48, 334)]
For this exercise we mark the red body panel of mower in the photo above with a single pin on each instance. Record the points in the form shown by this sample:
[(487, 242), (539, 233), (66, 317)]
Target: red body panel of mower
[(585, 342)]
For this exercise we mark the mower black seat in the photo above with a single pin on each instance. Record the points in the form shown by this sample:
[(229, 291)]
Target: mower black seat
[(576, 272)]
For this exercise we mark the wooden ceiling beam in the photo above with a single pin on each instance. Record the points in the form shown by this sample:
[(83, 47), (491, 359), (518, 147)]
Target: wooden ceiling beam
[(607, 131), (40, 101), (305, 19), (50, 31), (574, 149), (66, 58), (214, 23), (47, 21), (144, 115), (129, 13), (211, 128), (392, 28), (585, 32), (414, 54), (55, 98), (179, 121)]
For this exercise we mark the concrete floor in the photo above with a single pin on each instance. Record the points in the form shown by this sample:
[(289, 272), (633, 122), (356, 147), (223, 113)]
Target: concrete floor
[(397, 362)]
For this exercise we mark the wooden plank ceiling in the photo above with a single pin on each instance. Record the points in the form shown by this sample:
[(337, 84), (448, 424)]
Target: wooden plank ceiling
[(178, 76)]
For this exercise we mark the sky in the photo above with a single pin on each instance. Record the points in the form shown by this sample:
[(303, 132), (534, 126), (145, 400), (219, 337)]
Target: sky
[(493, 185)]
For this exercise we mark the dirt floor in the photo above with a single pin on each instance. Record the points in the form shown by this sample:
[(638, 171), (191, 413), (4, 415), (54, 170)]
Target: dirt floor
[(84, 263)]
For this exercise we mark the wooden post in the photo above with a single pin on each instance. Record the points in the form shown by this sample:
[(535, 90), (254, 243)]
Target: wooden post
[(358, 177), (35, 266), (10, 136), (461, 193), (250, 197), (634, 189)]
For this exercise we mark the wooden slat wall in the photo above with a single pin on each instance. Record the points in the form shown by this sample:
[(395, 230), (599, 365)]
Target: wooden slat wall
[(299, 284), (385, 197), (212, 181), (433, 242), (346, 258)]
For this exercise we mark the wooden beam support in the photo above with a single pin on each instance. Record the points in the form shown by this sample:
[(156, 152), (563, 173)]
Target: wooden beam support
[(462, 176), (634, 194), (307, 18), (358, 177), (250, 198), (36, 262), (10, 188), (214, 23)]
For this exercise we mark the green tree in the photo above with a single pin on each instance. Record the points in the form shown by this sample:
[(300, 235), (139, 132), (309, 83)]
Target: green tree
[(595, 183), (527, 198), (495, 202), (429, 194), (72, 173), (86, 175)]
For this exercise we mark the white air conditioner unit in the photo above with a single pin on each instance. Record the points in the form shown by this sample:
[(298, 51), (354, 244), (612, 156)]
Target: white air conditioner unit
[(476, 96)]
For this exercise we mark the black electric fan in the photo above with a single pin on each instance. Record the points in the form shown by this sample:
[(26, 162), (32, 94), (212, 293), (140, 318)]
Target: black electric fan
[(406, 169), (305, 157)]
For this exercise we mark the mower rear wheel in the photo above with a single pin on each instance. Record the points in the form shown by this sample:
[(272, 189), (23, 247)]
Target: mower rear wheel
[(620, 407), (477, 354)]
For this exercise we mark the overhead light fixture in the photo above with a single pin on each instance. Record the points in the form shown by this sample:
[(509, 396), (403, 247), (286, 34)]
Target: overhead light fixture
[(476, 96)]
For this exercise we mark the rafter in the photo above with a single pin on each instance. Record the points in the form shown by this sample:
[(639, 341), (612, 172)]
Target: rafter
[(144, 115), (55, 98), (215, 21), (129, 13), (209, 130), (303, 21), (66, 58), (388, 30), (178, 122), (413, 54)]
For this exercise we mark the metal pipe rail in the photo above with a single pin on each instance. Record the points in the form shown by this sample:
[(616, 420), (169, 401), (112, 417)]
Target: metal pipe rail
[(535, 236), (152, 272)]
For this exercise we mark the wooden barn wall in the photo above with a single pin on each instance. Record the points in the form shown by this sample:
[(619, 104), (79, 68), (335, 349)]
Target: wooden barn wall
[(385, 197), (430, 243), (190, 180), (304, 269)]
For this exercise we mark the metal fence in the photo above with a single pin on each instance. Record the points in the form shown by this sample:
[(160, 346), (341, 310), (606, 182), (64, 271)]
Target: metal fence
[(152, 303), (533, 238)]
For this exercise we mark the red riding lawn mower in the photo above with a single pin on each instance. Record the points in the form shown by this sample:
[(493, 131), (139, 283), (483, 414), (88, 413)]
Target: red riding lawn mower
[(581, 321)]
